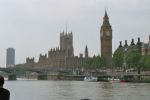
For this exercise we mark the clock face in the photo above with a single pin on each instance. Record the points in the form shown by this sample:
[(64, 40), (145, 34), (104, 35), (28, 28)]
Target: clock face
[(107, 33)]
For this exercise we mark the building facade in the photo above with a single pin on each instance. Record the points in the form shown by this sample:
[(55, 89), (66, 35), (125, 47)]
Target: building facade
[(61, 57), (106, 41), (10, 57), (143, 48)]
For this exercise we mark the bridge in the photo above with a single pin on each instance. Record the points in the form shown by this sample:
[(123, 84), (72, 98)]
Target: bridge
[(30, 73), (13, 72), (46, 73)]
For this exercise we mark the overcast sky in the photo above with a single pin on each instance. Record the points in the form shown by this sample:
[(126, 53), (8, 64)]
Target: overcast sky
[(33, 26)]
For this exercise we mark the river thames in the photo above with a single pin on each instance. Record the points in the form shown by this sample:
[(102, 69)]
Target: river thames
[(76, 90)]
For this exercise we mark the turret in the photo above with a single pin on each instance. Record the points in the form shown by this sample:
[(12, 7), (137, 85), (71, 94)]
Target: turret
[(30, 61), (42, 57), (120, 44), (126, 44), (66, 43), (139, 42), (132, 42)]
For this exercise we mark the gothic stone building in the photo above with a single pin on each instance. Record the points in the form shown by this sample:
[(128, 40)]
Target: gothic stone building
[(106, 41), (144, 48), (60, 58), (63, 57)]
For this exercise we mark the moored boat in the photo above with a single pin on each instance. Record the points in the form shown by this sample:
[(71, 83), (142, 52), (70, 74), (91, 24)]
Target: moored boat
[(112, 79), (90, 78)]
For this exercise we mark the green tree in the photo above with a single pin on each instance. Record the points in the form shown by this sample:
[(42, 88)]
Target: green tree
[(118, 58), (145, 62), (133, 57), (142, 62), (96, 62), (88, 62)]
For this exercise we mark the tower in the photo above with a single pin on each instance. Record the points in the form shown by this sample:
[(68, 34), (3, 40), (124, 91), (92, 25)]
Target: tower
[(106, 40), (10, 59), (66, 43), (86, 52)]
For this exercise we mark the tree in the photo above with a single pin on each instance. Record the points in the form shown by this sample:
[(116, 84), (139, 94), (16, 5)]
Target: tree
[(118, 58), (145, 62), (88, 62), (96, 62), (99, 62), (142, 62), (133, 58)]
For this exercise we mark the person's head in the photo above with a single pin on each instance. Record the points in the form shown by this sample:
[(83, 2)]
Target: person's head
[(1, 81)]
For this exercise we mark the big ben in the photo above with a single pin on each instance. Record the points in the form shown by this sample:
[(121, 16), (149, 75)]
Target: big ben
[(106, 41)]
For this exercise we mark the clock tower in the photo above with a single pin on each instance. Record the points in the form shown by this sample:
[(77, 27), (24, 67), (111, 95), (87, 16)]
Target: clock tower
[(106, 41)]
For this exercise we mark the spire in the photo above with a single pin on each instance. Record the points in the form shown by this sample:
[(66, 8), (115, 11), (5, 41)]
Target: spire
[(106, 16), (106, 19), (86, 47), (86, 52)]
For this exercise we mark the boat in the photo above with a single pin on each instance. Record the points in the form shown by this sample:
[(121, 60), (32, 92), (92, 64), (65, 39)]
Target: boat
[(112, 79), (90, 78)]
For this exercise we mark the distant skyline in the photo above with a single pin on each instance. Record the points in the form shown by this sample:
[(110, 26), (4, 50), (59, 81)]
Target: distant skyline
[(33, 26), (10, 57)]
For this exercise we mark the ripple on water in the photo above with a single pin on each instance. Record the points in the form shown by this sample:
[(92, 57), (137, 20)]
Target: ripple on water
[(77, 90)]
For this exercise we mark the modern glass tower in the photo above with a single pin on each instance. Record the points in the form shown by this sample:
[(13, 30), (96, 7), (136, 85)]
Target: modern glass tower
[(10, 57)]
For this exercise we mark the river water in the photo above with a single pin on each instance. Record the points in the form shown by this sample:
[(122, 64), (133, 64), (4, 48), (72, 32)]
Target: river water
[(76, 90)]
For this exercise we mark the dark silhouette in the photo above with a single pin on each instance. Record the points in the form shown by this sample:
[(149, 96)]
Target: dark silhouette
[(4, 93)]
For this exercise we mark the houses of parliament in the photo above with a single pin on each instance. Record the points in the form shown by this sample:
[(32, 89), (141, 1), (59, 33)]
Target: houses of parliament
[(63, 56)]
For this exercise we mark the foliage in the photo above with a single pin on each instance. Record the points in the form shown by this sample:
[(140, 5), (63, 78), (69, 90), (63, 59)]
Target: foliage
[(88, 62), (145, 62), (96, 62), (133, 57), (142, 61), (99, 62), (118, 58)]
